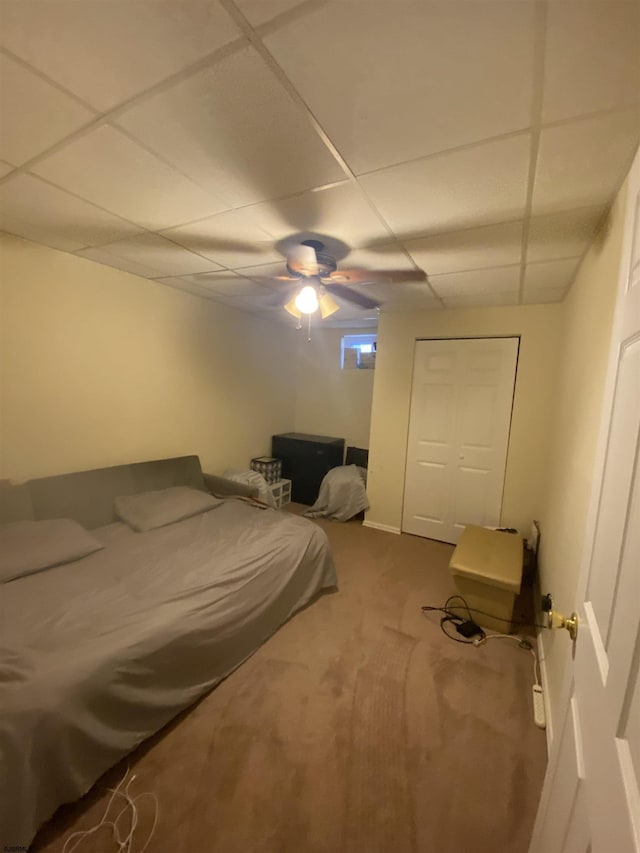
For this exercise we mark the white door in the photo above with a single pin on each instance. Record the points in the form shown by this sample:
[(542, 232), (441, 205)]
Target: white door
[(458, 435), (591, 796)]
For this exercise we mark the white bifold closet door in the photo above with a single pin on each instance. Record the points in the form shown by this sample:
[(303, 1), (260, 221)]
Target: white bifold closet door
[(458, 434)]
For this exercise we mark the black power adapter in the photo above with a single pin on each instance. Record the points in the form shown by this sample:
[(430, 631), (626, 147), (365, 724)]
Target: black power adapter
[(469, 629)]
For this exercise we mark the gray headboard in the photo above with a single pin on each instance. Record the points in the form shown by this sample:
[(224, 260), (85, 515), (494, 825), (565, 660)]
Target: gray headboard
[(88, 496), (15, 502)]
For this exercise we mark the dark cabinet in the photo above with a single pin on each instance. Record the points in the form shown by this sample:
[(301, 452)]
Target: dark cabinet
[(305, 461)]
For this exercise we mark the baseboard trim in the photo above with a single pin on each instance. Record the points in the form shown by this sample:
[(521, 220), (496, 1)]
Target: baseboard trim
[(388, 528), (545, 691)]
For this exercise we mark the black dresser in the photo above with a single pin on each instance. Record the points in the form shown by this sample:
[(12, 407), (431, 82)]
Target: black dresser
[(305, 461)]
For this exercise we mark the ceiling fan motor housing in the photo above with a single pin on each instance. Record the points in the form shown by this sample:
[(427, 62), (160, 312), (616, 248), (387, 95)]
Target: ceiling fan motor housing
[(324, 264)]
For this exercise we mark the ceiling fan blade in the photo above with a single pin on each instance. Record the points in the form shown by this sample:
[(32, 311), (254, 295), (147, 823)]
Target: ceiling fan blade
[(343, 292), (362, 276)]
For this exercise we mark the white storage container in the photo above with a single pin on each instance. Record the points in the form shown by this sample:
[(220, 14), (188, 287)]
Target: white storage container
[(281, 493)]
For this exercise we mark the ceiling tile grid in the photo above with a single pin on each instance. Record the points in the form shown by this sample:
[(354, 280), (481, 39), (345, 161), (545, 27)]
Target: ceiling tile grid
[(35, 113), (234, 131), (108, 52), (545, 275), (114, 172), (402, 65), (479, 300), (196, 143), (155, 255), (493, 281), (40, 205)]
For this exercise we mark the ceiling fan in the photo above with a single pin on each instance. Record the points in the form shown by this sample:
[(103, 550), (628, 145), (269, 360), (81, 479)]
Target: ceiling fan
[(310, 265)]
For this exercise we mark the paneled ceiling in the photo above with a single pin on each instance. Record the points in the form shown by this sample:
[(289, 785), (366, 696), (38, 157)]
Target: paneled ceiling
[(478, 140)]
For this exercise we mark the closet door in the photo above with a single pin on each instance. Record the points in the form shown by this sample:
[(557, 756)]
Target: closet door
[(458, 435)]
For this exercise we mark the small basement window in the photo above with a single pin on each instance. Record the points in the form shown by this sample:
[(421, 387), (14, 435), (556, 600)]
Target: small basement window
[(358, 351)]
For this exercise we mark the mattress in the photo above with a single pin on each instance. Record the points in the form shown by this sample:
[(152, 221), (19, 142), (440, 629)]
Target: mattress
[(97, 655)]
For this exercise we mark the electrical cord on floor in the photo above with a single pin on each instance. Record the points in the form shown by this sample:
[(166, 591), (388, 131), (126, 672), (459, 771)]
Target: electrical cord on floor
[(124, 845), (472, 632), (451, 608), (467, 628), (523, 642)]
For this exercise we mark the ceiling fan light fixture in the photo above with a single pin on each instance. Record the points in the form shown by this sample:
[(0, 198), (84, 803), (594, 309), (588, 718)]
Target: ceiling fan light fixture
[(328, 305), (290, 307), (307, 300)]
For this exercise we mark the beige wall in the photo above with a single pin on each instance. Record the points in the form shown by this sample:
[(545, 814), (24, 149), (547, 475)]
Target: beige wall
[(586, 332), (539, 328), (329, 400), (100, 367)]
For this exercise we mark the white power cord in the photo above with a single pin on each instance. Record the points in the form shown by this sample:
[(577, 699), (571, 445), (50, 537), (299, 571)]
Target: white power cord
[(523, 642), (539, 714), (124, 844)]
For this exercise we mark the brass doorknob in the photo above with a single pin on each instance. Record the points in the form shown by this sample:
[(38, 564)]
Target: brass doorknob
[(558, 620)]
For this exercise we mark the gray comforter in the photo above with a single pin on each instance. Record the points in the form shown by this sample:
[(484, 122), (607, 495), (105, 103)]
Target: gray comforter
[(98, 654)]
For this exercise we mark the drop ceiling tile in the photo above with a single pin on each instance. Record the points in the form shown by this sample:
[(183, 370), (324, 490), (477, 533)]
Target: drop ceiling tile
[(385, 257), (583, 162), (154, 256), (475, 248), (482, 300), (55, 215), (107, 52), (5, 168), (235, 131), (413, 78), (540, 296), (340, 213), (238, 294), (229, 285), (476, 186), (109, 169), (477, 282), (107, 259), (562, 235), (259, 12), (232, 239), (185, 285), (550, 274), (409, 293), (592, 58), (36, 233), (35, 114)]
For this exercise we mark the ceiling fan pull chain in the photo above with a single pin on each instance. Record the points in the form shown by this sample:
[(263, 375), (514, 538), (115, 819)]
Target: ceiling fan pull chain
[(309, 328)]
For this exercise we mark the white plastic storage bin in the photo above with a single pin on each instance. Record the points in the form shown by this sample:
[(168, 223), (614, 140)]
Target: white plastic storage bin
[(281, 493)]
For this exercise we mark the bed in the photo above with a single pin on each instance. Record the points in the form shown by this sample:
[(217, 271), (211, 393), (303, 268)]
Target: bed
[(98, 654)]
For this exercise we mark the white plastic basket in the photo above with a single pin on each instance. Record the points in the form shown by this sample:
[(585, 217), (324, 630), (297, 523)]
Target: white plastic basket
[(281, 493)]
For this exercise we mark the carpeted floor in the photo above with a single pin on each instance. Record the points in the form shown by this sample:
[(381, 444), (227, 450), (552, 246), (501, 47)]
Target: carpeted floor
[(358, 728)]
